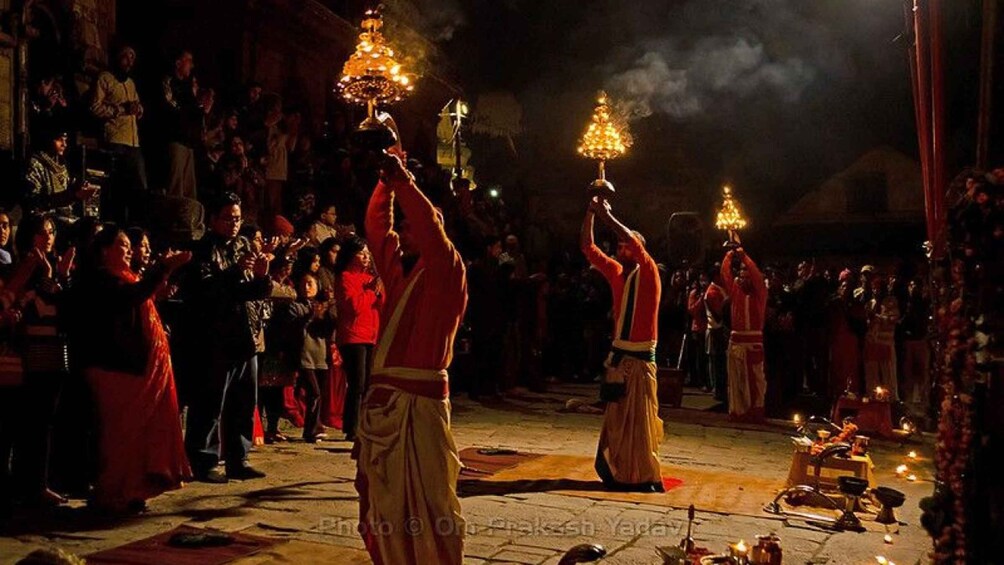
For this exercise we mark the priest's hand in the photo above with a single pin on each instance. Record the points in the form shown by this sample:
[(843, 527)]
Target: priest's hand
[(394, 170), (600, 207)]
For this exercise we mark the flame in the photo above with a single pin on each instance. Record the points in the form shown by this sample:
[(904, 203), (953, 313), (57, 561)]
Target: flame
[(741, 546), (797, 419), (887, 539), (729, 216), (901, 470), (372, 74), (606, 137), (912, 455)]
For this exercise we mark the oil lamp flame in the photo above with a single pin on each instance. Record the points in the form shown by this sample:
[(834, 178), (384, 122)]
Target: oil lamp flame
[(605, 137), (372, 75), (729, 216)]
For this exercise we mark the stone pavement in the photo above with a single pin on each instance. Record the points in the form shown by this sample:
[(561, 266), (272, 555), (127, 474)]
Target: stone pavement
[(308, 495)]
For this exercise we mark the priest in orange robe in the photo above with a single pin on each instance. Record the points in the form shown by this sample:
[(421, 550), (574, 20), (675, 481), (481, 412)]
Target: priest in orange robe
[(408, 463), (747, 381), (627, 458)]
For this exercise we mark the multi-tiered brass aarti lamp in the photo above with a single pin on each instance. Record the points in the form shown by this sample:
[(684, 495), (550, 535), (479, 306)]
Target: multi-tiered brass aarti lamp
[(604, 139), (371, 76), (730, 218)]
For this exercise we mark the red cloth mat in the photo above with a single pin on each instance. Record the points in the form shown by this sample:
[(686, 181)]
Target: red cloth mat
[(669, 483), (156, 550)]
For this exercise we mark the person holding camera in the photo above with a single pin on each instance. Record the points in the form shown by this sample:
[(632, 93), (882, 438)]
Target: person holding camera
[(627, 458)]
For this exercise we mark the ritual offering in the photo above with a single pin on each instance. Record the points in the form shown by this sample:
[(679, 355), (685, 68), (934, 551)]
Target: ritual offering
[(373, 75), (767, 550), (730, 218), (605, 139), (846, 435)]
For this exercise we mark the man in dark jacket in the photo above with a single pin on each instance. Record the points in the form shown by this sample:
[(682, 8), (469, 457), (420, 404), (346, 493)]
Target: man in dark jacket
[(182, 115), (226, 279)]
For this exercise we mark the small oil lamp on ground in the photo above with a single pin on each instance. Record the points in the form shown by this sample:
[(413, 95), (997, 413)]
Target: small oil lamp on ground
[(604, 139), (371, 76), (730, 218)]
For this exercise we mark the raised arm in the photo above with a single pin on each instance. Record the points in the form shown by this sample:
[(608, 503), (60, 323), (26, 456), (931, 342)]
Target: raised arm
[(424, 221), (728, 280), (384, 243), (624, 234), (601, 261), (757, 277)]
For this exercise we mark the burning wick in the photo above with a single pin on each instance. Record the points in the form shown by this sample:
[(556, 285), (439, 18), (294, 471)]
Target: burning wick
[(901, 470), (911, 478), (912, 455), (739, 549), (887, 539)]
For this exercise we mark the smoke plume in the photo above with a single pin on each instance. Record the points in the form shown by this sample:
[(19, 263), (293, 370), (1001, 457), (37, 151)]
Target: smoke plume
[(437, 20)]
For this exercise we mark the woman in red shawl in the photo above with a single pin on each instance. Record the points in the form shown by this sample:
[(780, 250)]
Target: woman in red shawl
[(126, 360)]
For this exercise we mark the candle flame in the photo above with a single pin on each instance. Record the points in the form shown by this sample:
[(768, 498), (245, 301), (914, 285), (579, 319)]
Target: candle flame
[(798, 419), (372, 74), (606, 137), (911, 478), (901, 470), (912, 455), (729, 217), (741, 546), (887, 539), (881, 560)]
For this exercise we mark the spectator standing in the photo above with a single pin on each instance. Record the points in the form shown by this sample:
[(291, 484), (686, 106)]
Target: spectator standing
[(311, 322), (278, 145), (228, 278), (125, 358), (183, 125), (46, 360), (359, 295), (916, 364), (116, 103)]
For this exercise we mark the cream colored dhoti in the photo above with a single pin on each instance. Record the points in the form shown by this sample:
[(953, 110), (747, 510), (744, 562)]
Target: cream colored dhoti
[(747, 381), (407, 479), (632, 430), (407, 462)]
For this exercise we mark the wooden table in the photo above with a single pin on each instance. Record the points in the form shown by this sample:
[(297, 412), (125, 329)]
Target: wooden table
[(802, 470)]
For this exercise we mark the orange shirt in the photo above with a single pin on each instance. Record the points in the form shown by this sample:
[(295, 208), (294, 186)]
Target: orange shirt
[(645, 322), (748, 309), (429, 321)]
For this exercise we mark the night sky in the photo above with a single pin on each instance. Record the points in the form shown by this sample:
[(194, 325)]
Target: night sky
[(773, 95)]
